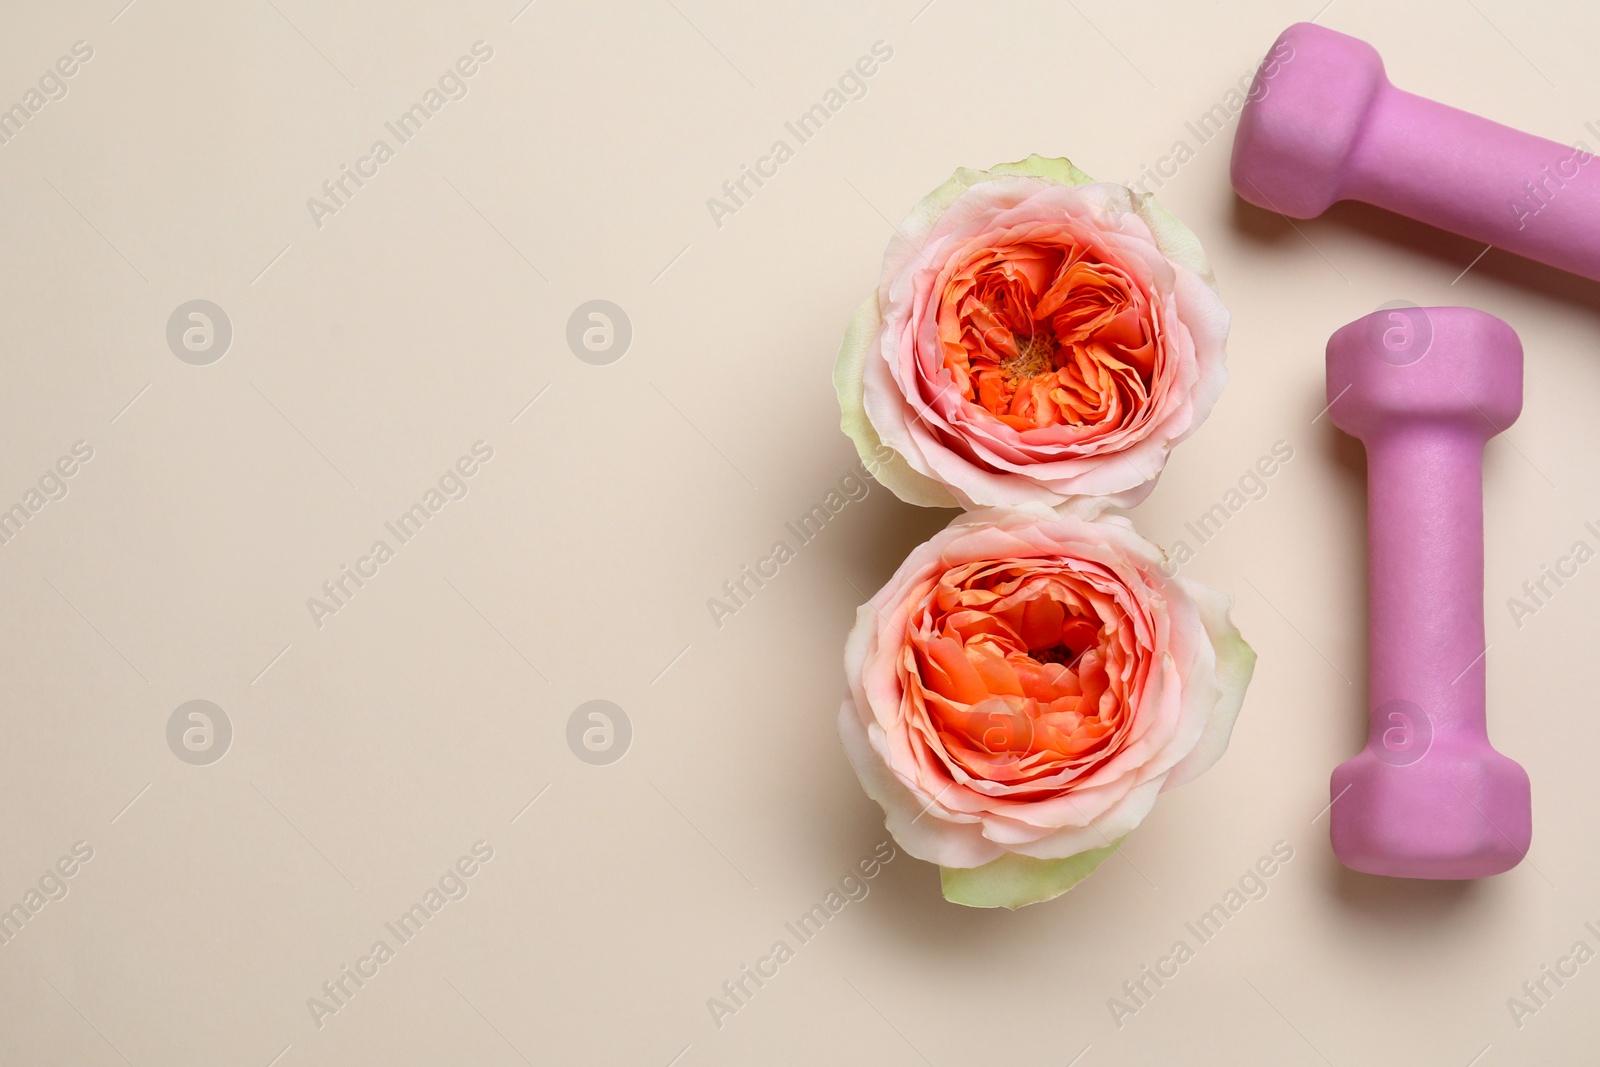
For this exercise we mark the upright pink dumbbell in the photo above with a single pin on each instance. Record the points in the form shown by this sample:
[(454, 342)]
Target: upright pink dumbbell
[(1323, 124), (1429, 797)]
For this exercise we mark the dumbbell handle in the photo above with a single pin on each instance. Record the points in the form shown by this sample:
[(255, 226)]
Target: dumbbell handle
[(1425, 579), (1480, 179), (1325, 124)]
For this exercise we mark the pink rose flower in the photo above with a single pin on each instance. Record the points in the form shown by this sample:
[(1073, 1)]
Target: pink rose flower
[(1035, 338), (1023, 688)]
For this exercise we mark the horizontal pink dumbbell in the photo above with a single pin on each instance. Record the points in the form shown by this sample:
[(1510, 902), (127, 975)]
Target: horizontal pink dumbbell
[(1323, 124), (1429, 797)]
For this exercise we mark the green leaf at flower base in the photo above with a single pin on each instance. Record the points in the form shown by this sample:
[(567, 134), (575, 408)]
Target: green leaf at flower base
[(1014, 881)]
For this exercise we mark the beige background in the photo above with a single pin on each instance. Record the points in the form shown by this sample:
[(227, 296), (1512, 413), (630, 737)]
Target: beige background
[(425, 315)]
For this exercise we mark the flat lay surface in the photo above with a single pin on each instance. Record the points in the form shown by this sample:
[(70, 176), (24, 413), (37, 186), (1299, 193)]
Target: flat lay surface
[(429, 542)]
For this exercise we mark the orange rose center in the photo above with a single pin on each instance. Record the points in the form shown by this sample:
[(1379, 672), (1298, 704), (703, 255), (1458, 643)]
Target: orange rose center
[(1045, 333), (1018, 674)]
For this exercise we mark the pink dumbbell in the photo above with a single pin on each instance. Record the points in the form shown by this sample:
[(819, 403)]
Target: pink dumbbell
[(1429, 797), (1323, 124)]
